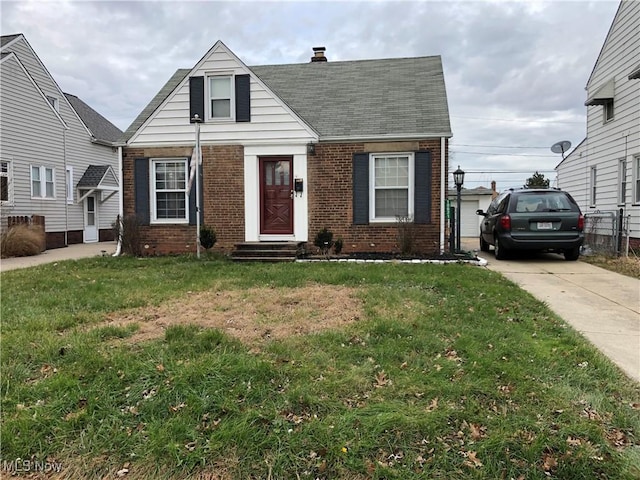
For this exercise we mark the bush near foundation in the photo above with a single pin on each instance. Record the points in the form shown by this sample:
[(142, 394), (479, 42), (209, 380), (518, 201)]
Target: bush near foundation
[(22, 241)]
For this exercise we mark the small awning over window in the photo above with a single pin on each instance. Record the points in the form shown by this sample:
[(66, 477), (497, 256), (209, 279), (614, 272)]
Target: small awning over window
[(603, 95), (635, 73), (98, 178)]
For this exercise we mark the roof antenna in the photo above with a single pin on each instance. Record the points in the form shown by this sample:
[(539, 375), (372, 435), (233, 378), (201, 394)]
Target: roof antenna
[(561, 147)]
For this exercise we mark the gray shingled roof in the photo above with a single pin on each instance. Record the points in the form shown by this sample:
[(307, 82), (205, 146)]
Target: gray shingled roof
[(365, 98), (93, 175), (358, 99), (100, 127)]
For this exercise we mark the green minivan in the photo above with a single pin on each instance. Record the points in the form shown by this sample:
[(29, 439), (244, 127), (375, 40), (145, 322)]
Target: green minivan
[(533, 220)]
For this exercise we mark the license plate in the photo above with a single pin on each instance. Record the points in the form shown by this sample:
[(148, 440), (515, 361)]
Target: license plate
[(545, 226)]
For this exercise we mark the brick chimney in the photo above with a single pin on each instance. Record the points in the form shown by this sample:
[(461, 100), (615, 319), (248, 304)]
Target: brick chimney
[(318, 55)]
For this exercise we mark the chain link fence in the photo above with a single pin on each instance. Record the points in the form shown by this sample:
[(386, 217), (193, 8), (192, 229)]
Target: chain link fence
[(605, 233)]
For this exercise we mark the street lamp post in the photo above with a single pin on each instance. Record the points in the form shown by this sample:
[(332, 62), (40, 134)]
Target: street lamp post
[(458, 179)]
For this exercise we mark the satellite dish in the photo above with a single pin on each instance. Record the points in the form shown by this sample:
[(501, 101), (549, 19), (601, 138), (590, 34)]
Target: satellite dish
[(561, 147)]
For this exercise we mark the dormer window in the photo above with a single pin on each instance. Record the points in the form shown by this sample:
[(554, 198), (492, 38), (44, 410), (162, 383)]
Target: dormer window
[(220, 97)]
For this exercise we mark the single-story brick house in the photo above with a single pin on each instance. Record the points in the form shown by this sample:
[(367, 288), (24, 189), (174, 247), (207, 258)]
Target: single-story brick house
[(290, 149)]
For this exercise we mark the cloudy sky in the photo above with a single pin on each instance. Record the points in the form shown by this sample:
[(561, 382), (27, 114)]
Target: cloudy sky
[(515, 71)]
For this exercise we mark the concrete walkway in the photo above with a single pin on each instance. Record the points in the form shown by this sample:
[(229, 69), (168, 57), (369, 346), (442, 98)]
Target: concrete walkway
[(603, 306), (72, 252)]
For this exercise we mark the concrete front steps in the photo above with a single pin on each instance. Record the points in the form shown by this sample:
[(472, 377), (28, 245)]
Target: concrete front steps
[(268, 251)]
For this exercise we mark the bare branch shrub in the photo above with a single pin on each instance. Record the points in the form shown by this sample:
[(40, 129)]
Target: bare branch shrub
[(406, 234), (22, 241)]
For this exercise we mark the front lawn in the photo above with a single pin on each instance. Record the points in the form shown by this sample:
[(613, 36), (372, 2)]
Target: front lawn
[(174, 368)]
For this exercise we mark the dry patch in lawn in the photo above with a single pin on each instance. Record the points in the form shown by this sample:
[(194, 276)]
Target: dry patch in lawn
[(250, 315)]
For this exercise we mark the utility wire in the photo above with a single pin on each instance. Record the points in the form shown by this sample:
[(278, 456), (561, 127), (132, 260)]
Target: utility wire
[(513, 120)]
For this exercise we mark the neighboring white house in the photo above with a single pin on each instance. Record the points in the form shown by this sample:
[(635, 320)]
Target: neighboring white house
[(57, 155), (603, 172)]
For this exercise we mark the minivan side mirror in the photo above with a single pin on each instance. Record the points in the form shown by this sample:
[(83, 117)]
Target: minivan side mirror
[(481, 212)]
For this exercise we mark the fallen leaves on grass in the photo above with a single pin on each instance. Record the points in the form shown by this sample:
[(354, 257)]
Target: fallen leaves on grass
[(381, 380), (472, 460)]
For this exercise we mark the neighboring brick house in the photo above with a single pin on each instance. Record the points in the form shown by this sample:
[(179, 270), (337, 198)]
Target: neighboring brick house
[(290, 149)]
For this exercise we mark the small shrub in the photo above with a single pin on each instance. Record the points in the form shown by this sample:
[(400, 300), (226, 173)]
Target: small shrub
[(208, 237), (337, 246), (131, 235), (22, 241), (406, 234), (324, 241)]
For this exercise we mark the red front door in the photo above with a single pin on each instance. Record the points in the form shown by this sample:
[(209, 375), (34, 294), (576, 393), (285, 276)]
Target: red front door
[(276, 202)]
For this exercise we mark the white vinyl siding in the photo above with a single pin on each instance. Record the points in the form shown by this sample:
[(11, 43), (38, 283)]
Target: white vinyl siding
[(272, 122), (391, 186), (169, 199)]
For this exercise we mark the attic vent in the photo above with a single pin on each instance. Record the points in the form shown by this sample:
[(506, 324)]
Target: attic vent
[(318, 55)]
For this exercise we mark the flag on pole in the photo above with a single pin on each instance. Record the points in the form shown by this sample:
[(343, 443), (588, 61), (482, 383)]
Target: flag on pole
[(193, 168)]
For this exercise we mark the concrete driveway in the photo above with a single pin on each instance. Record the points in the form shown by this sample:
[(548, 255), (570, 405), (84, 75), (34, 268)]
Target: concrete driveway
[(603, 306), (72, 252)]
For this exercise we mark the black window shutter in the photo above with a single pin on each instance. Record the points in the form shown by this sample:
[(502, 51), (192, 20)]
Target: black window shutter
[(423, 182), (192, 199), (243, 98), (360, 188), (141, 194), (196, 98)]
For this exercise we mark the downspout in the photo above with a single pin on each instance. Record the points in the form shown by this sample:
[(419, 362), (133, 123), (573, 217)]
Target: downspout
[(66, 203), (120, 204), (443, 191)]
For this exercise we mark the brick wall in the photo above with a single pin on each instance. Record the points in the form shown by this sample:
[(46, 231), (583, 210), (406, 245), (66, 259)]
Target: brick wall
[(329, 187), (223, 199), (331, 199)]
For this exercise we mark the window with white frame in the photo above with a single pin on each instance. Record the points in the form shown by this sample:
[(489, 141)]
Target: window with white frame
[(69, 180), (6, 183), (170, 202), (607, 110), (592, 187), (622, 181), (42, 182), (392, 186), (636, 180), (220, 97), (53, 101)]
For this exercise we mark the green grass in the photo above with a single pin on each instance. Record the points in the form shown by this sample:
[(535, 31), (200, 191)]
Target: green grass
[(451, 372)]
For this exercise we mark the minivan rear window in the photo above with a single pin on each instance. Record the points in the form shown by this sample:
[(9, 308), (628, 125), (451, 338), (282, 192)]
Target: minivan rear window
[(543, 202)]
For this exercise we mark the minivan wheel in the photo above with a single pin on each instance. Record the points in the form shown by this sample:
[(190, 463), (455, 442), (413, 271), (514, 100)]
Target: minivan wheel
[(500, 252), (484, 246), (572, 253)]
